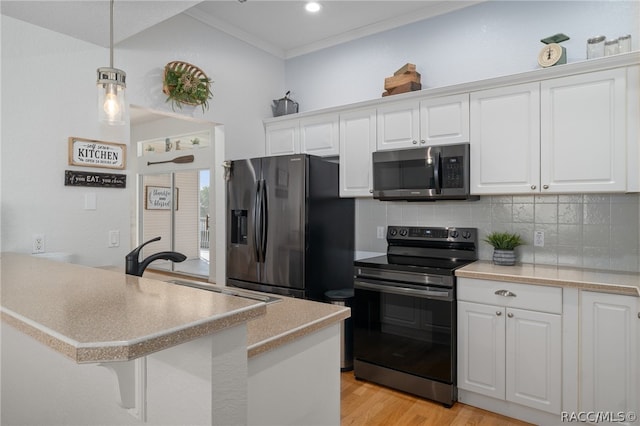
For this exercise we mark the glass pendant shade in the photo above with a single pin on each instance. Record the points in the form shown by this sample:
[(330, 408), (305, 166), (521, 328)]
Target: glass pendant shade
[(112, 105)]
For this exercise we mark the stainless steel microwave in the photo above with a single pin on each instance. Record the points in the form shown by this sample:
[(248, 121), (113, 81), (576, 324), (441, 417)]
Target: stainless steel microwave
[(439, 172)]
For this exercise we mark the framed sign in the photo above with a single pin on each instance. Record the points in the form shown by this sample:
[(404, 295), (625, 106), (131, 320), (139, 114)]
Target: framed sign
[(100, 180), (160, 198), (91, 153)]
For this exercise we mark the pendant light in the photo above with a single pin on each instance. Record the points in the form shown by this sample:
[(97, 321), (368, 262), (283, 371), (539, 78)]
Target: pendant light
[(112, 107)]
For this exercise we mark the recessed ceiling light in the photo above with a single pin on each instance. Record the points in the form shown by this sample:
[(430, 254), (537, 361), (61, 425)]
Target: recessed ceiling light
[(312, 7)]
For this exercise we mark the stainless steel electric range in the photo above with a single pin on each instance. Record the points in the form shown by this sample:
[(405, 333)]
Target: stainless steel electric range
[(404, 310)]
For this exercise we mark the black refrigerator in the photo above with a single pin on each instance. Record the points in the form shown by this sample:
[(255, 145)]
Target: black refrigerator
[(288, 230)]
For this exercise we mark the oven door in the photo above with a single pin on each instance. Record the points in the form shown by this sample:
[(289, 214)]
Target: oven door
[(406, 328)]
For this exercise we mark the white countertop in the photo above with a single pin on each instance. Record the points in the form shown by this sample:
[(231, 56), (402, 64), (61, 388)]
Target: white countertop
[(284, 321), (626, 283), (97, 315)]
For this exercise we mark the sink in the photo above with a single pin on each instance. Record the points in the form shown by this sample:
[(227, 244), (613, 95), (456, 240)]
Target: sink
[(260, 297)]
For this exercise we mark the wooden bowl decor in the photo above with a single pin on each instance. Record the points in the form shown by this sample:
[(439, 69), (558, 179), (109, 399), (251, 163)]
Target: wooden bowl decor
[(187, 84)]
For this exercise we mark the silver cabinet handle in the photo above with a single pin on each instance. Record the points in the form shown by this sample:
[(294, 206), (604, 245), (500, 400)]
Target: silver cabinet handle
[(498, 313), (505, 293), (422, 142), (415, 142), (533, 187), (510, 315), (545, 186)]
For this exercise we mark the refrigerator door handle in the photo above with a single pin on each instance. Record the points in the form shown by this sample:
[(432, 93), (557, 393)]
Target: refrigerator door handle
[(265, 220), (256, 222)]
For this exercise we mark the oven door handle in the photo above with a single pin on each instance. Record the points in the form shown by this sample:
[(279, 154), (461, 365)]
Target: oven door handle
[(404, 291)]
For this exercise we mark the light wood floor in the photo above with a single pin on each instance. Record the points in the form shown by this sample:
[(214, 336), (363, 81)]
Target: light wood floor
[(365, 403)]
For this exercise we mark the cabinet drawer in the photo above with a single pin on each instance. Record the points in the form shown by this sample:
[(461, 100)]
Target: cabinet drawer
[(523, 296)]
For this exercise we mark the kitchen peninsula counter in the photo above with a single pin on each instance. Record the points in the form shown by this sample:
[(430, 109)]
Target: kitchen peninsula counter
[(625, 283), (180, 355), (95, 315)]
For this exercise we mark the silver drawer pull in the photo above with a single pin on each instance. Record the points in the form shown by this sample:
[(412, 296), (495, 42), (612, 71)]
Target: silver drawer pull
[(505, 293), (498, 313), (510, 315)]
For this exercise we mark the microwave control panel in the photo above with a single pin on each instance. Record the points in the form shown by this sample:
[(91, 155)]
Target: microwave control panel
[(453, 172)]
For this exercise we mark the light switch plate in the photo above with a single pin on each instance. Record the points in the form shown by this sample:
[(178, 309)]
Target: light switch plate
[(114, 239), (90, 201)]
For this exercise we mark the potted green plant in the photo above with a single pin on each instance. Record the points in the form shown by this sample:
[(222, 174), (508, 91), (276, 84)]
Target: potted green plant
[(504, 244), (184, 83)]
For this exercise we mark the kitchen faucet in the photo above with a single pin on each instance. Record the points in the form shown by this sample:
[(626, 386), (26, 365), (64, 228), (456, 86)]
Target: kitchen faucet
[(135, 267)]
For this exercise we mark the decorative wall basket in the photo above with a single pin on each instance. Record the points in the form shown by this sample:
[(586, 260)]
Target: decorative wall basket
[(186, 84)]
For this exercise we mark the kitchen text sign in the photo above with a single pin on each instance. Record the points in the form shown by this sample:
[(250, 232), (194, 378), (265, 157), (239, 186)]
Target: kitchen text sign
[(90, 153), (103, 180)]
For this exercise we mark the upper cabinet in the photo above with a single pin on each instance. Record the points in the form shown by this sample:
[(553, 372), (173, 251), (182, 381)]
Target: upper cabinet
[(583, 132), (445, 120), (319, 135), (505, 140), (561, 135), (430, 121), (282, 138), (357, 142), (316, 135), (398, 125)]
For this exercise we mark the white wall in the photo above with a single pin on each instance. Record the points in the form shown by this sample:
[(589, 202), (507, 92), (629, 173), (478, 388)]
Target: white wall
[(486, 40), (49, 94)]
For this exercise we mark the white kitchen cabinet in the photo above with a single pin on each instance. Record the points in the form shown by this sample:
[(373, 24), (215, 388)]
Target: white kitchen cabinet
[(398, 125), (319, 135), (610, 356), (445, 120), (430, 121), (315, 135), (510, 342), (562, 135), (282, 138), (583, 132), (505, 138), (357, 142)]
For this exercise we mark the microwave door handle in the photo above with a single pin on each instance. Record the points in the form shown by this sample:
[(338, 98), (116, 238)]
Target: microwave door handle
[(437, 174)]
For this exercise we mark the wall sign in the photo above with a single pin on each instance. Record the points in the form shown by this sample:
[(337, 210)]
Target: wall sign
[(160, 198), (90, 153), (103, 180)]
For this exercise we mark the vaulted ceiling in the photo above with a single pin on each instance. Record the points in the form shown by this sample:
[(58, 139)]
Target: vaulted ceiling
[(283, 28)]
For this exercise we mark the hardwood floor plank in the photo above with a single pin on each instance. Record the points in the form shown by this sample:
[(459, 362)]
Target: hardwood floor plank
[(367, 404)]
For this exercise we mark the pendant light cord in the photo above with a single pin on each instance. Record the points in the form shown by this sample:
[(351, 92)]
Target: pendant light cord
[(111, 36)]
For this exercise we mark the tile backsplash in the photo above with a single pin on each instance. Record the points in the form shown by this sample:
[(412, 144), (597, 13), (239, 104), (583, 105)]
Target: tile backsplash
[(599, 231)]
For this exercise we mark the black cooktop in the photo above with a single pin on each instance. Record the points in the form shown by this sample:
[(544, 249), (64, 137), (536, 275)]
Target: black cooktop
[(421, 265), (425, 250)]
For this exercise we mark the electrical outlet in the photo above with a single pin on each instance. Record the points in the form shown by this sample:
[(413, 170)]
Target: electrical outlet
[(538, 238), (37, 241), (114, 239), (380, 232)]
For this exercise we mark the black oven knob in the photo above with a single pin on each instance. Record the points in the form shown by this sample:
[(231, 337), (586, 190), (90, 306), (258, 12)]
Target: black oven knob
[(404, 232), (393, 232), (466, 235), (454, 234)]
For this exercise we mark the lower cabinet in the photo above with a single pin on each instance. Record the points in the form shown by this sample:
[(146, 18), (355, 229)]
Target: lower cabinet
[(610, 358), (533, 351), (509, 348)]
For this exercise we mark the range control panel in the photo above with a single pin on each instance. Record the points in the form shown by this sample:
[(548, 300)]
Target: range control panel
[(419, 233)]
